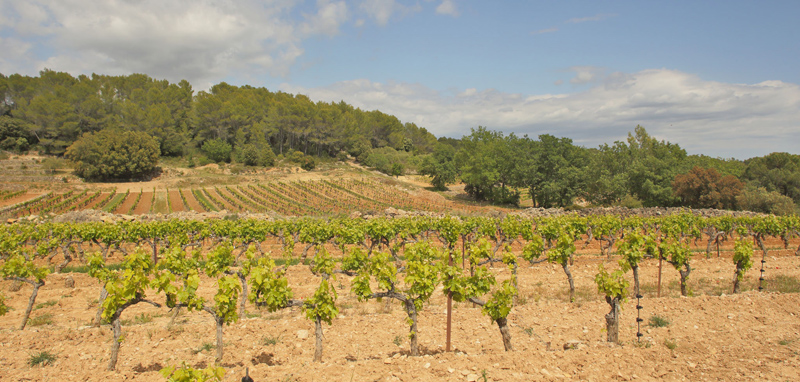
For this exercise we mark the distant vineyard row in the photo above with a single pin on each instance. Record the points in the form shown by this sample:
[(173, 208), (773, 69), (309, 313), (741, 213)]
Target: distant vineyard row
[(300, 198)]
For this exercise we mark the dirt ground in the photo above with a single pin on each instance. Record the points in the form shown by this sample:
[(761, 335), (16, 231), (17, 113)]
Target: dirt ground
[(712, 336)]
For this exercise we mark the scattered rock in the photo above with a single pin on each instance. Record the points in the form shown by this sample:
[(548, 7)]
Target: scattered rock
[(69, 282), (302, 334), (152, 367), (267, 358), (472, 377), (572, 344)]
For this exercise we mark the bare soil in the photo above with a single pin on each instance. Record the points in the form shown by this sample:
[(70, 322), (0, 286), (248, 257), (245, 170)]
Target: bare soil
[(175, 201), (194, 205), (144, 203), (713, 336)]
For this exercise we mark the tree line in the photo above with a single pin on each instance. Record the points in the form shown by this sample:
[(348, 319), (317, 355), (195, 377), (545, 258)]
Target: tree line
[(55, 109), (116, 127), (641, 171)]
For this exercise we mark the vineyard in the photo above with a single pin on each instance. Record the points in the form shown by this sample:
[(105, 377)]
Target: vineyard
[(290, 198), (366, 299)]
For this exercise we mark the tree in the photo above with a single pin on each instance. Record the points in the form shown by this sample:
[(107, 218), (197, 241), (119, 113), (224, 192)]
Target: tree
[(217, 150), (706, 188), (112, 154), (252, 155), (440, 166), (758, 199), (651, 166), (779, 172)]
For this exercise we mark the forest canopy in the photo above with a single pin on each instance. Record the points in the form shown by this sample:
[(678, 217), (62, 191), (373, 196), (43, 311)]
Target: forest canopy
[(57, 113)]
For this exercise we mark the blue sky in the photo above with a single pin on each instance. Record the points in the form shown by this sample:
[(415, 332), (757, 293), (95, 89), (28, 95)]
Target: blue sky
[(719, 78)]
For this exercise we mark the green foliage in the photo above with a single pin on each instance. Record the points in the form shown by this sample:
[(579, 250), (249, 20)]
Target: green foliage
[(322, 304), (17, 265), (3, 306), (41, 320), (564, 248), (776, 172), (676, 253), (613, 285), (440, 166), (225, 301), (387, 160), (742, 256), (254, 155), (185, 373), (633, 248), (42, 358), (111, 154), (499, 306), (422, 271), (759, 199), (125, 285), (657, 321), (268, 288), (218, 150)]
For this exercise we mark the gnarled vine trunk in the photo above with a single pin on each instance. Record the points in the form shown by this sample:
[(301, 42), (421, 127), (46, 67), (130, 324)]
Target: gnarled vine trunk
[(635, 269), (502, 323), (318, 339), (571, 282), (612, 320), (98, 317), (116, 328), (411, 310), (243, 303), (684, 278), (36, 285)]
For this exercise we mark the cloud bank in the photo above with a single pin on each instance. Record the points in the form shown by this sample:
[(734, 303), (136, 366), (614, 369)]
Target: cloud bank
[(704, 117)]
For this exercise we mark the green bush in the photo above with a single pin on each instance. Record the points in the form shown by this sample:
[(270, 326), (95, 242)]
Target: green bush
[(758, 199), (253, 155), (114, 154), (217, 150)]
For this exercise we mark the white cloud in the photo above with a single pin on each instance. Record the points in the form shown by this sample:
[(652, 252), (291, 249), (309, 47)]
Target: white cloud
[(330, 15), (383, 10), (202, 41), (447, 7), (585, 74), (543, 31), (597, 17), (713, 118)]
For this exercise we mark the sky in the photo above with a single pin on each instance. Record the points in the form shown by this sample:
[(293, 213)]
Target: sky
[(720, 78)]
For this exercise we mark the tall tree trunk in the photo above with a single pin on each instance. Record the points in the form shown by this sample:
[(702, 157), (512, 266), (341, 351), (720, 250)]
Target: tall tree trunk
[(571, 282), (318, 339), (116, 328), (612, 320), (36, 285), (411, 310), (684, 278), (98, 317), (502, 323)]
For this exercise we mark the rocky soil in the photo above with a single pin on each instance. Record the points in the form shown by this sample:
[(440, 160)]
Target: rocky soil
[(712, 336)]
